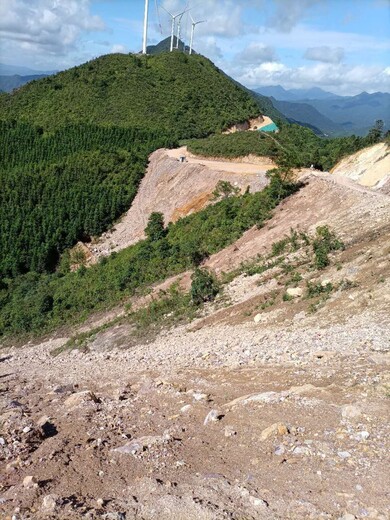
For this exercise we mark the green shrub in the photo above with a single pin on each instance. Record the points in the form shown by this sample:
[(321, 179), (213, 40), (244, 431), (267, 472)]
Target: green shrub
[(325, 242), (155, 229), (204, 286), (317, 289), (224, 189)]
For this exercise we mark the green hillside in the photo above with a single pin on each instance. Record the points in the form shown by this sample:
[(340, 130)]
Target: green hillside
[(64, 186), (186, 95), (293, 145)]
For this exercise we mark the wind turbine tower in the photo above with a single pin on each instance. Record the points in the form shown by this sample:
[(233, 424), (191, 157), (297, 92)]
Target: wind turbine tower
[(179, 29), (194, 24), (145, 27), (173, 18)]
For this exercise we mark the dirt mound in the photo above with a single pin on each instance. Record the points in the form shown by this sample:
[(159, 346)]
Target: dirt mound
[(369, 167), (177, 189)]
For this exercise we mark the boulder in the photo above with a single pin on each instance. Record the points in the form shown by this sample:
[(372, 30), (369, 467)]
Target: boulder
[(79, 398), (294, 292)]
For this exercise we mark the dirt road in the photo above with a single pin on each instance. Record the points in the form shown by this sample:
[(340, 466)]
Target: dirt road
[(253, 165)]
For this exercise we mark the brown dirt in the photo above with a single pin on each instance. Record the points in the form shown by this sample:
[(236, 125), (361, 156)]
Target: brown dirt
[(369, 167), (176, 189)]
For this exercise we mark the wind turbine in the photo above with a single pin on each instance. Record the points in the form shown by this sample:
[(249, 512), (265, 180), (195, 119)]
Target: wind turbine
[(173, 17), (145, 27), (194, 24)]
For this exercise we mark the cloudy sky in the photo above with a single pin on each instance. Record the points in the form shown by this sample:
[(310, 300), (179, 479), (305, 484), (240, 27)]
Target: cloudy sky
[(340, 45)]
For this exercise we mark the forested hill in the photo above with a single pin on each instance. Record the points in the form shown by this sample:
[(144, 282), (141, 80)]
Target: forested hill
[(186, 95)]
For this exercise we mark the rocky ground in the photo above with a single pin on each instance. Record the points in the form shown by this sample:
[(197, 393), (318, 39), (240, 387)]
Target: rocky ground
[(271, 404)]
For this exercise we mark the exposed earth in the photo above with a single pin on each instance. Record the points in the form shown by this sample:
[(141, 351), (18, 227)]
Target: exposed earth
[(271, 404)]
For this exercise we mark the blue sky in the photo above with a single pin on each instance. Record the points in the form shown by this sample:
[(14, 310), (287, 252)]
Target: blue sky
[(340, 45)]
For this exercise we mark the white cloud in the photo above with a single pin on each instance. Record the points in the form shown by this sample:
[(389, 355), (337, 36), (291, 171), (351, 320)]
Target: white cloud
[(119, 48), (257, 53), (289, 13), (341, 78), (223, 17), (325, 54), (209, 48), (51, 26)]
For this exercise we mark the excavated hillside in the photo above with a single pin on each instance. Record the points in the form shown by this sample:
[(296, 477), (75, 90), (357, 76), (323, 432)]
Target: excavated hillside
[(177, 189), (273, 404), (369, 167)]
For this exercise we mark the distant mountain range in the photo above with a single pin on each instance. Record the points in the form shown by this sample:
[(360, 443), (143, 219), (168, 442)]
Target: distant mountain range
[(9, 83), (295, 94), (13, 76), (11, 70), (332, 114)]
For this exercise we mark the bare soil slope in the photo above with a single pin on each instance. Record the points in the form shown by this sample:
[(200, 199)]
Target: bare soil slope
[(369, 167), (177, 189)]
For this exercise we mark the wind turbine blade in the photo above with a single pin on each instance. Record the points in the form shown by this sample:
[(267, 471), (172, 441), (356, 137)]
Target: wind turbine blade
[(162, 7)]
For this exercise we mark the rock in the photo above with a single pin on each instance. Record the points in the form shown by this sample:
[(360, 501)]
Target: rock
[(326, 282), (139, 445), (350, 411), (276, 428), (257, 502), (301, 450), (44, 419), (79, 398), (49, 503), (100, 502), (343, 454), (200, 397), (264, 397), (230, 431), (294, 292), (362, 436), (347, 516), (47, 427), (213, 416), (279, 450), (26, 429), (30, 481), (185, 408), (258, 318), (63, 389)]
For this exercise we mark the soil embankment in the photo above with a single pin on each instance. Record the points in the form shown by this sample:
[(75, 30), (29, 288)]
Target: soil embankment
[(177, 189), (368, 167)]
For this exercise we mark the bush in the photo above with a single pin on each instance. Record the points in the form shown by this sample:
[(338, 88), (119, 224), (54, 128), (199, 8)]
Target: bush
[(155, 228), (204, 286), (224, 189), (325, 242)]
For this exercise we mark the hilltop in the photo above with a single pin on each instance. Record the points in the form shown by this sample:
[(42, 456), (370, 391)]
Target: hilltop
[(186, 95)]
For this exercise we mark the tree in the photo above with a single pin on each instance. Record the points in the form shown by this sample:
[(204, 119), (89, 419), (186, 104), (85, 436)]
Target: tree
[(204, 286), (155, 228), (225, 189), (375, 134)]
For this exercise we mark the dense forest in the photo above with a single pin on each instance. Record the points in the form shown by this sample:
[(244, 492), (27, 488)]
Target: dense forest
[(293, 145), (63, 186), (39, 302), (186, 95)]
